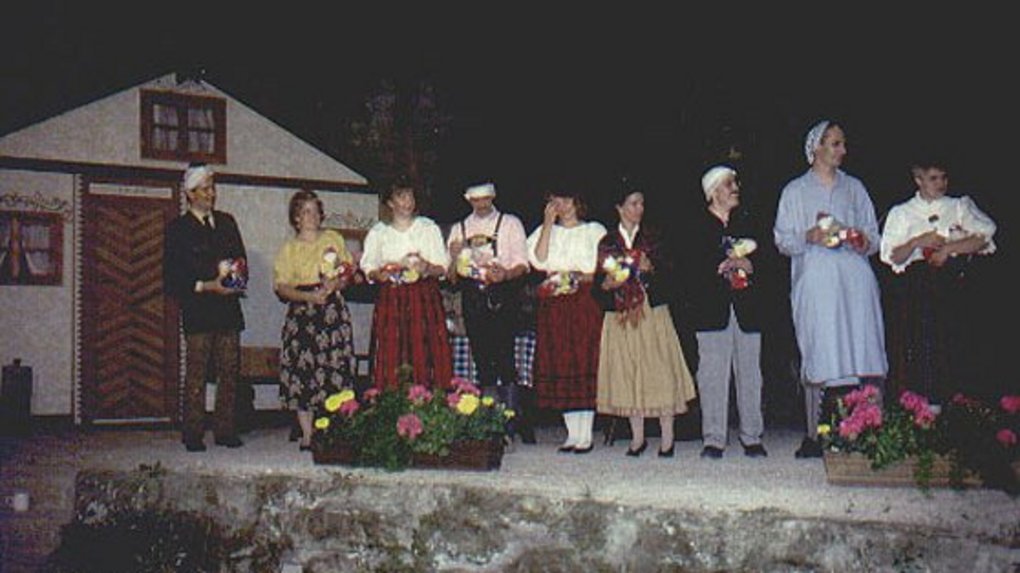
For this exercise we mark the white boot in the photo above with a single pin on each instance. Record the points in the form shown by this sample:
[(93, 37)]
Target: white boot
[(586, 422), (570, 420)]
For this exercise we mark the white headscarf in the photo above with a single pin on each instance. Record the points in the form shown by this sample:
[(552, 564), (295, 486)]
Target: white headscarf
[(814, 139), (194, 176), (713, 177), (483, 190)]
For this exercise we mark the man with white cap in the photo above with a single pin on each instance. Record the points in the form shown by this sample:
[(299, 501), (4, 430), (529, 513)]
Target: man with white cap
[(489, 257), (826, 224), (199, 249), (725, 272)]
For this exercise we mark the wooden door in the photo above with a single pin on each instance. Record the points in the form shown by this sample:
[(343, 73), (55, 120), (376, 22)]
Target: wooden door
[(130, 336)]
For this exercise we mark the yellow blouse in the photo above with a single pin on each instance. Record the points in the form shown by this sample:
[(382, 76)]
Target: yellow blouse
[(297, 263)]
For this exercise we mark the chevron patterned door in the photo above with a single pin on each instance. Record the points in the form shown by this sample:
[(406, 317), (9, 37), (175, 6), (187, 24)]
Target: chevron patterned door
[(130, 364)]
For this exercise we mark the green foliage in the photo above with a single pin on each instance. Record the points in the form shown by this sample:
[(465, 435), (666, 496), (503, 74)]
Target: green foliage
[(970, 434), (384, 428)]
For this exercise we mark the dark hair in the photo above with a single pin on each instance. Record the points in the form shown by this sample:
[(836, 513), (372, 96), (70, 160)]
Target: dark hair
[(625, 187), (580, 205), (399, 183), (297, 200), (929, 161)]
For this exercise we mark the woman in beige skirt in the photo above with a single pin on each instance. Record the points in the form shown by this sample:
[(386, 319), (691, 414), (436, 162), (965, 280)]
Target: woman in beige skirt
[(642, 372)]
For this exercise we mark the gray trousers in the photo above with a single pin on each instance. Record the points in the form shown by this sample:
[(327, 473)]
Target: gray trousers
[(720, 353)]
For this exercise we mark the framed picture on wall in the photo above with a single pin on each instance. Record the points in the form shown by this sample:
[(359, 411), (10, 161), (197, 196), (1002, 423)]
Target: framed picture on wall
[(31, 248)]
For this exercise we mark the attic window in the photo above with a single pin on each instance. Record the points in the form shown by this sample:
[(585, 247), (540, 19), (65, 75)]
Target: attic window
[(181, 127)]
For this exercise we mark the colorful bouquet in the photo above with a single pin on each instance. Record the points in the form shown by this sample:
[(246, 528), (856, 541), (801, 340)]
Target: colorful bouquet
[(333, 267), (836, 233), (735, 249), (234, 273), (624, 267), (385, 427), (559, 283), (404, 272), (473, 262)]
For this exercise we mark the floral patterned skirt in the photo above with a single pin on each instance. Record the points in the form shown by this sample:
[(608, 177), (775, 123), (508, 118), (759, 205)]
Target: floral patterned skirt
[(315, 358)]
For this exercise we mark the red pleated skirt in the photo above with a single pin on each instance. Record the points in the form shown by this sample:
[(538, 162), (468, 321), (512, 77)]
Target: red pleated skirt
[(409, 327), (568, 331)]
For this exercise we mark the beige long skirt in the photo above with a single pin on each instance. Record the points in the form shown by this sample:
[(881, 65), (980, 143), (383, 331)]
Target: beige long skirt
[(642, 371)]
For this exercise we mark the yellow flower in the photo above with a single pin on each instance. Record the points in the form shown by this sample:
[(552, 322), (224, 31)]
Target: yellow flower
[(488, 401), (468, 404), (824, 429), (509, 414), (334, 401), (322, 423)]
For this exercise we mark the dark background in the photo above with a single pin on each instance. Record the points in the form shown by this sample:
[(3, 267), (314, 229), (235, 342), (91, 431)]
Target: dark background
[(529, 92)]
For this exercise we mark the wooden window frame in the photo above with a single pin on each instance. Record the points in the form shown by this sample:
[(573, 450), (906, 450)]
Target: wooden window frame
[(184, 102), (54, 223)]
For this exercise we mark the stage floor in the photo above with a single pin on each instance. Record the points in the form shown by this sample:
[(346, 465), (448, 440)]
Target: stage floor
[(45, 467)]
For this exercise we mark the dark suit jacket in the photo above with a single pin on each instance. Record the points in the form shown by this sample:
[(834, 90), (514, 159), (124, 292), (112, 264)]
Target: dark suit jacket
[(708, 294), (192, 252), (655, 283)]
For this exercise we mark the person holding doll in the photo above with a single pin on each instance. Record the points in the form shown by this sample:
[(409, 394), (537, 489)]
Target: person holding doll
[(568, 319), (489, 261), (309, 273), (405, 255), (204, 267), (928, 241), (642, 372), (826, 224), (724, 274)]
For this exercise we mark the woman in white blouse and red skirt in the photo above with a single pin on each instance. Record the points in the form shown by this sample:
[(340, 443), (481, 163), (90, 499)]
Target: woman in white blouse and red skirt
[(407, 256), (569, 320)]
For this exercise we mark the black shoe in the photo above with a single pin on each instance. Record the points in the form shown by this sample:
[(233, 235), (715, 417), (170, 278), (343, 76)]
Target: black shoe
[(231, 442), (711, 452), (755, 451), (666, 453), (808, 449), (640, 449), (305, 448), (584, 450), (527, 435), (196, 446), (565, 449), (295, 433)]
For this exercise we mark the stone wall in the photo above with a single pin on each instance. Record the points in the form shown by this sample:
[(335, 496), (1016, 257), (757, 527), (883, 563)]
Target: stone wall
[(345, 523)]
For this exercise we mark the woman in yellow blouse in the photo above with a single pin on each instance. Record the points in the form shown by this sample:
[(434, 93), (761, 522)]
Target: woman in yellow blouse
[(309, 272)]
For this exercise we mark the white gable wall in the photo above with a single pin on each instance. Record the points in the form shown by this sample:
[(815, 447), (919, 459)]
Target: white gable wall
[(37, 322), (108, 132)]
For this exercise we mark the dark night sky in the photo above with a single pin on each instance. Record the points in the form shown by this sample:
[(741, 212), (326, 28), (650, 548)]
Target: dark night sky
[(590, 94)]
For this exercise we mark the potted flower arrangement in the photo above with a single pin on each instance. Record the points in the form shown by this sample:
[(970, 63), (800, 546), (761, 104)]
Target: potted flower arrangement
[(454, 427), (966, 443), (981, 437), (898, 437)]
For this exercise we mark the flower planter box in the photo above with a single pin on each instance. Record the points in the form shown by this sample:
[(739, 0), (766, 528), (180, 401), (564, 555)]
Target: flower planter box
[(341, 455), (854, 468), (476, 455)]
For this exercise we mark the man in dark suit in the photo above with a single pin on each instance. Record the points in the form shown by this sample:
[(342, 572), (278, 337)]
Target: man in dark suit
[(200, 248)]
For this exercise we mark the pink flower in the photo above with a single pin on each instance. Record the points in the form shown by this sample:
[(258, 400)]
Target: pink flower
[(1010, 404), (465, 386), (371, 394), (419, 394), (349, 407), (1006, 437), (452, 399), (409, 426), (862, 395)]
